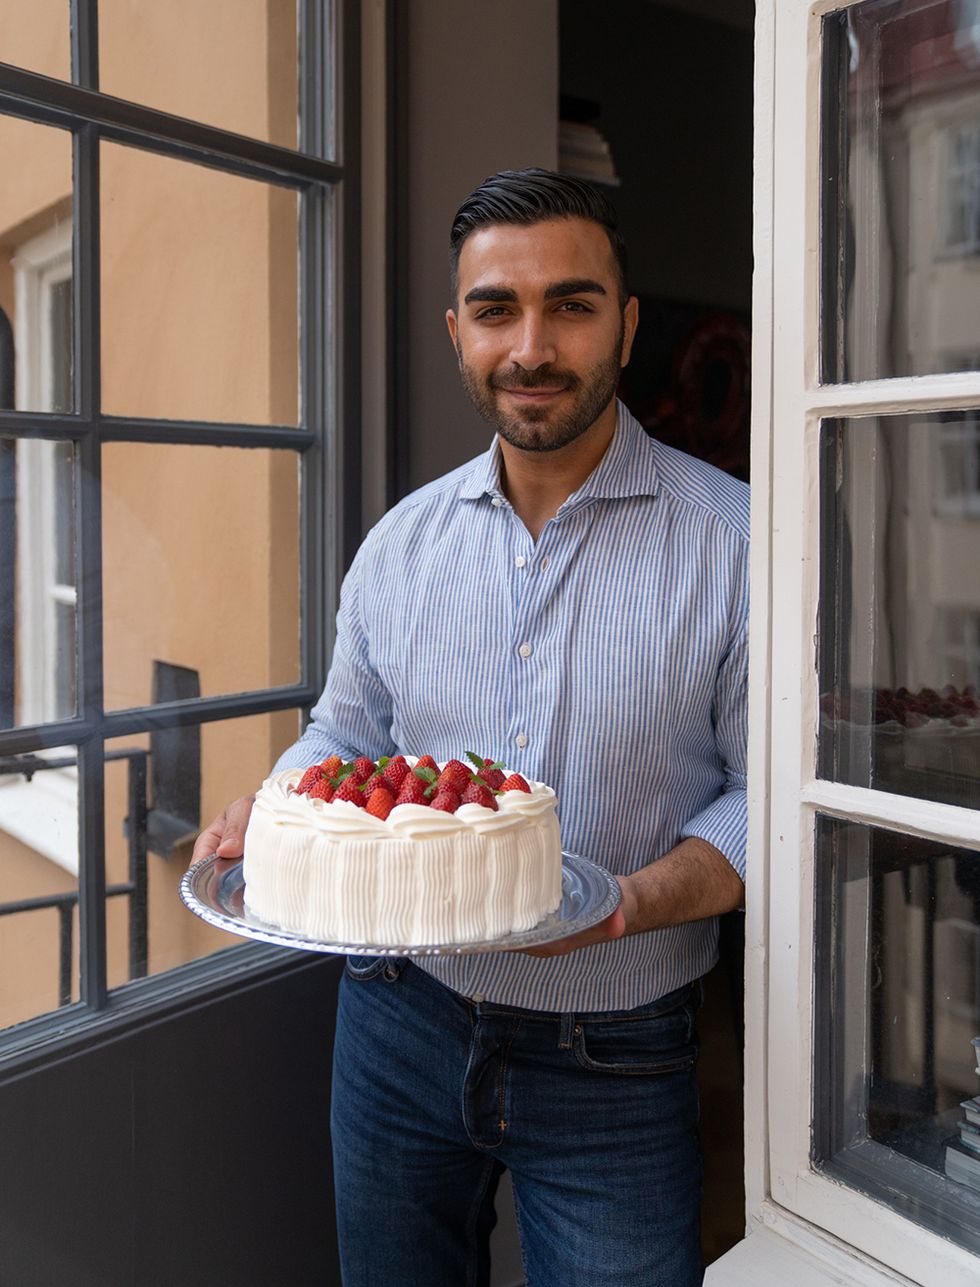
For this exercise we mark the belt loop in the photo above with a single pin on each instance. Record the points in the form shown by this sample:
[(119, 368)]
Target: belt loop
[(566, 1027)]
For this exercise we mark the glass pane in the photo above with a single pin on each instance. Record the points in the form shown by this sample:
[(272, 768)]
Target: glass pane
[(37, 582), (200, 571), (38, 884), (199, 292), (900, 605), (902, 189), (35, 35), (170, 784), (897, 1109), (230, 63), (35, 266)]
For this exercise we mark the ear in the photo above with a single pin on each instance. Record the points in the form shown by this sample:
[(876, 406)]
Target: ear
[(631, 318), (453, 326)]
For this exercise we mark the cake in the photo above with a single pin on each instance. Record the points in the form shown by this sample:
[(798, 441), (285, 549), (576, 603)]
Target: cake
[(402, 852)]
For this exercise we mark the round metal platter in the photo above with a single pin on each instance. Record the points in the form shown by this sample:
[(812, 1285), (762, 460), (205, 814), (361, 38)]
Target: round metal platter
[(214, 889)]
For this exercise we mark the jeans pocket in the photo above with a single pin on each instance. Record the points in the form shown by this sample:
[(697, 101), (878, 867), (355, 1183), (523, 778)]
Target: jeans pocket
[(638, 1046)]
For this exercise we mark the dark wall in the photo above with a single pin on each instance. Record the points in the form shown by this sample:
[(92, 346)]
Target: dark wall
[(193, 1153), (675, 93)]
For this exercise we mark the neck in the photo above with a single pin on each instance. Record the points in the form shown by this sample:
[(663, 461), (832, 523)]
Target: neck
[(537, 483)]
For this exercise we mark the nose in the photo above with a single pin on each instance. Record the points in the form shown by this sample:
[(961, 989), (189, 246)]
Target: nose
[(533, 345)]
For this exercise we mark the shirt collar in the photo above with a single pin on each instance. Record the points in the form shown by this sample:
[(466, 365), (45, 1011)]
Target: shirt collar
[(626, 469)]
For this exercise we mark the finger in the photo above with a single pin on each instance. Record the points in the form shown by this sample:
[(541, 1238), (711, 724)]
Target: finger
[(209, 839), (613, 926), (232, 844)]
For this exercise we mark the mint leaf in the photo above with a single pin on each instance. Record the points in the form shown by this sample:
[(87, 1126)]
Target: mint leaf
[(426, 774), (344, 771), (475, 759)]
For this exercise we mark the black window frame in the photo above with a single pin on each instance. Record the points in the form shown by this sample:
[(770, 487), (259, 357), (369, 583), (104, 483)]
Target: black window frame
[(324, 170)]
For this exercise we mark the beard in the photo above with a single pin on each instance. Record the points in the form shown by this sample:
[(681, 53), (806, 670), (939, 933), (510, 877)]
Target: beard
[(544, 428)]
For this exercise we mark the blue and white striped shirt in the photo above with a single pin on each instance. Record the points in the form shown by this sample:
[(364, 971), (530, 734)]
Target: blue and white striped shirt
[(607, 659)]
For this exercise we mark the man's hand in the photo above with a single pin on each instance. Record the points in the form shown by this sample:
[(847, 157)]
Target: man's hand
[(614, 926), (226, 835)]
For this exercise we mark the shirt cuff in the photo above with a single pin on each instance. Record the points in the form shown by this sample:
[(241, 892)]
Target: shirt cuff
[(724, 824)]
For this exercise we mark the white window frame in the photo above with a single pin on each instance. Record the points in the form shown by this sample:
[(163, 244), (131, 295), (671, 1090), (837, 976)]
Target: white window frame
[(804, 1227), (42, 813)]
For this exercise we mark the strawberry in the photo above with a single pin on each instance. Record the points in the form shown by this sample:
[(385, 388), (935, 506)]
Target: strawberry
[(321, 790), (375, 784), (363, 769), (350, 790), (331, 766), (492, 775), (381, 802), (394, 772), (455, 775), (412, 791), (514, 783), (479, 793), (309, 778), (427, 762), (446, 800)]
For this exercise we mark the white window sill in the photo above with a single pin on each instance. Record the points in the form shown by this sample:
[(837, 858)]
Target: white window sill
[(43, 814), (768, 1257)]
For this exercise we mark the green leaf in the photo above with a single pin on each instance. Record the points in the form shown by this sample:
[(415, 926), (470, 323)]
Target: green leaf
[(498, 764), (475, 759), (426, 774), (344, 771), (384, 761)]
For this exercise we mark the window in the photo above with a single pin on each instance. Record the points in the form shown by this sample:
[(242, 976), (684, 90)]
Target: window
[(174, 481), (863, 928), (961, 190)]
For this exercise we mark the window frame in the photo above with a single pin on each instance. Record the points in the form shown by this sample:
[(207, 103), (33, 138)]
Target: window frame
[(830, 1225), (324, 169)]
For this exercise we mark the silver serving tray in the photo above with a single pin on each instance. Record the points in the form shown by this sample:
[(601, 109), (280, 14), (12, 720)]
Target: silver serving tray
[(214, 889)]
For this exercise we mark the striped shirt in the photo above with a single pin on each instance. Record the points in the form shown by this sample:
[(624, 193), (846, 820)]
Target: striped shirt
[(607, 659)]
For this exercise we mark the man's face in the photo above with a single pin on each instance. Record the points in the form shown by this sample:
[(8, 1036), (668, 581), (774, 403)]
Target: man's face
[(539, 330)]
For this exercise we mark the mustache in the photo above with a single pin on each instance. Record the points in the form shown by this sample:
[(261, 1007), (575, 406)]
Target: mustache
[(540, 378)]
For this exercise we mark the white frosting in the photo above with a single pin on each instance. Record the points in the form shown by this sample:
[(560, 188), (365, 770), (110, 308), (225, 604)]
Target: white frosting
[(335, 873)]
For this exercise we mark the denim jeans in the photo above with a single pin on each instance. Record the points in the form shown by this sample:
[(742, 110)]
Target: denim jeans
[(595, 1116)]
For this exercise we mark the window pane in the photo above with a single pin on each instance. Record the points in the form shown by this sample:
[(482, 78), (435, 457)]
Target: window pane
[(896, 1093), (902, 189), (35, 266), (38, 884), (34, 34), (900, 605), (199, 292), (37, 582), (170, 784), (230, 63), (201, 570)]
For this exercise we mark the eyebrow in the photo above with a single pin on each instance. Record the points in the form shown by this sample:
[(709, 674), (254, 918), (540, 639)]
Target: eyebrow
[(557, 290)]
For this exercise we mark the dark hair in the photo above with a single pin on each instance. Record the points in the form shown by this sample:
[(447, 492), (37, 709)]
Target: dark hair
[(532, 196)]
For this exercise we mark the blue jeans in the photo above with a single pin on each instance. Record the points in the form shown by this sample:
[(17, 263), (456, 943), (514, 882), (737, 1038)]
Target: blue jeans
[(595, 1116)]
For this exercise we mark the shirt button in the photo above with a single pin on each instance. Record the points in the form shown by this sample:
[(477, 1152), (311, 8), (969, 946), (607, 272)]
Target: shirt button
[(520, 560), (521, 740), (496, 502), (525, 650)]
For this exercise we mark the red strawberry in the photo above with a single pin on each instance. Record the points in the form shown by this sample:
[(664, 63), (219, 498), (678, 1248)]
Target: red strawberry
[(331, 766), (427, 762), (455, 775), (479, 793), (375, 784), (491, 776), (412, 791), (394, 772), (514, 783), (309, 778), (321, 790), (363, 769), (446, 800), (381, 803), (349, 790)]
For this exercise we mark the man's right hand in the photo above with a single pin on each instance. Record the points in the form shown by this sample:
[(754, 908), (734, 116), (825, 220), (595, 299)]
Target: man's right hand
[(226, 835)]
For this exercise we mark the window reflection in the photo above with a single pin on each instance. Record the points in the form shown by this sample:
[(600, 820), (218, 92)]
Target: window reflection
[(902, 239), (898, 1091), (900, 605)]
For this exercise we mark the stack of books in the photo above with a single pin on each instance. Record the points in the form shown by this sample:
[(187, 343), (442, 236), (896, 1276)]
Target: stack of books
[(583, 153), (963, 1153)]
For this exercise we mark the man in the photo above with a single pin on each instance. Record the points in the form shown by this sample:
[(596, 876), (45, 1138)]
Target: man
[(574, 603)]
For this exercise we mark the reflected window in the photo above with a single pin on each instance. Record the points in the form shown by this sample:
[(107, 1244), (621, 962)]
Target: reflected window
[(961, 190)]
